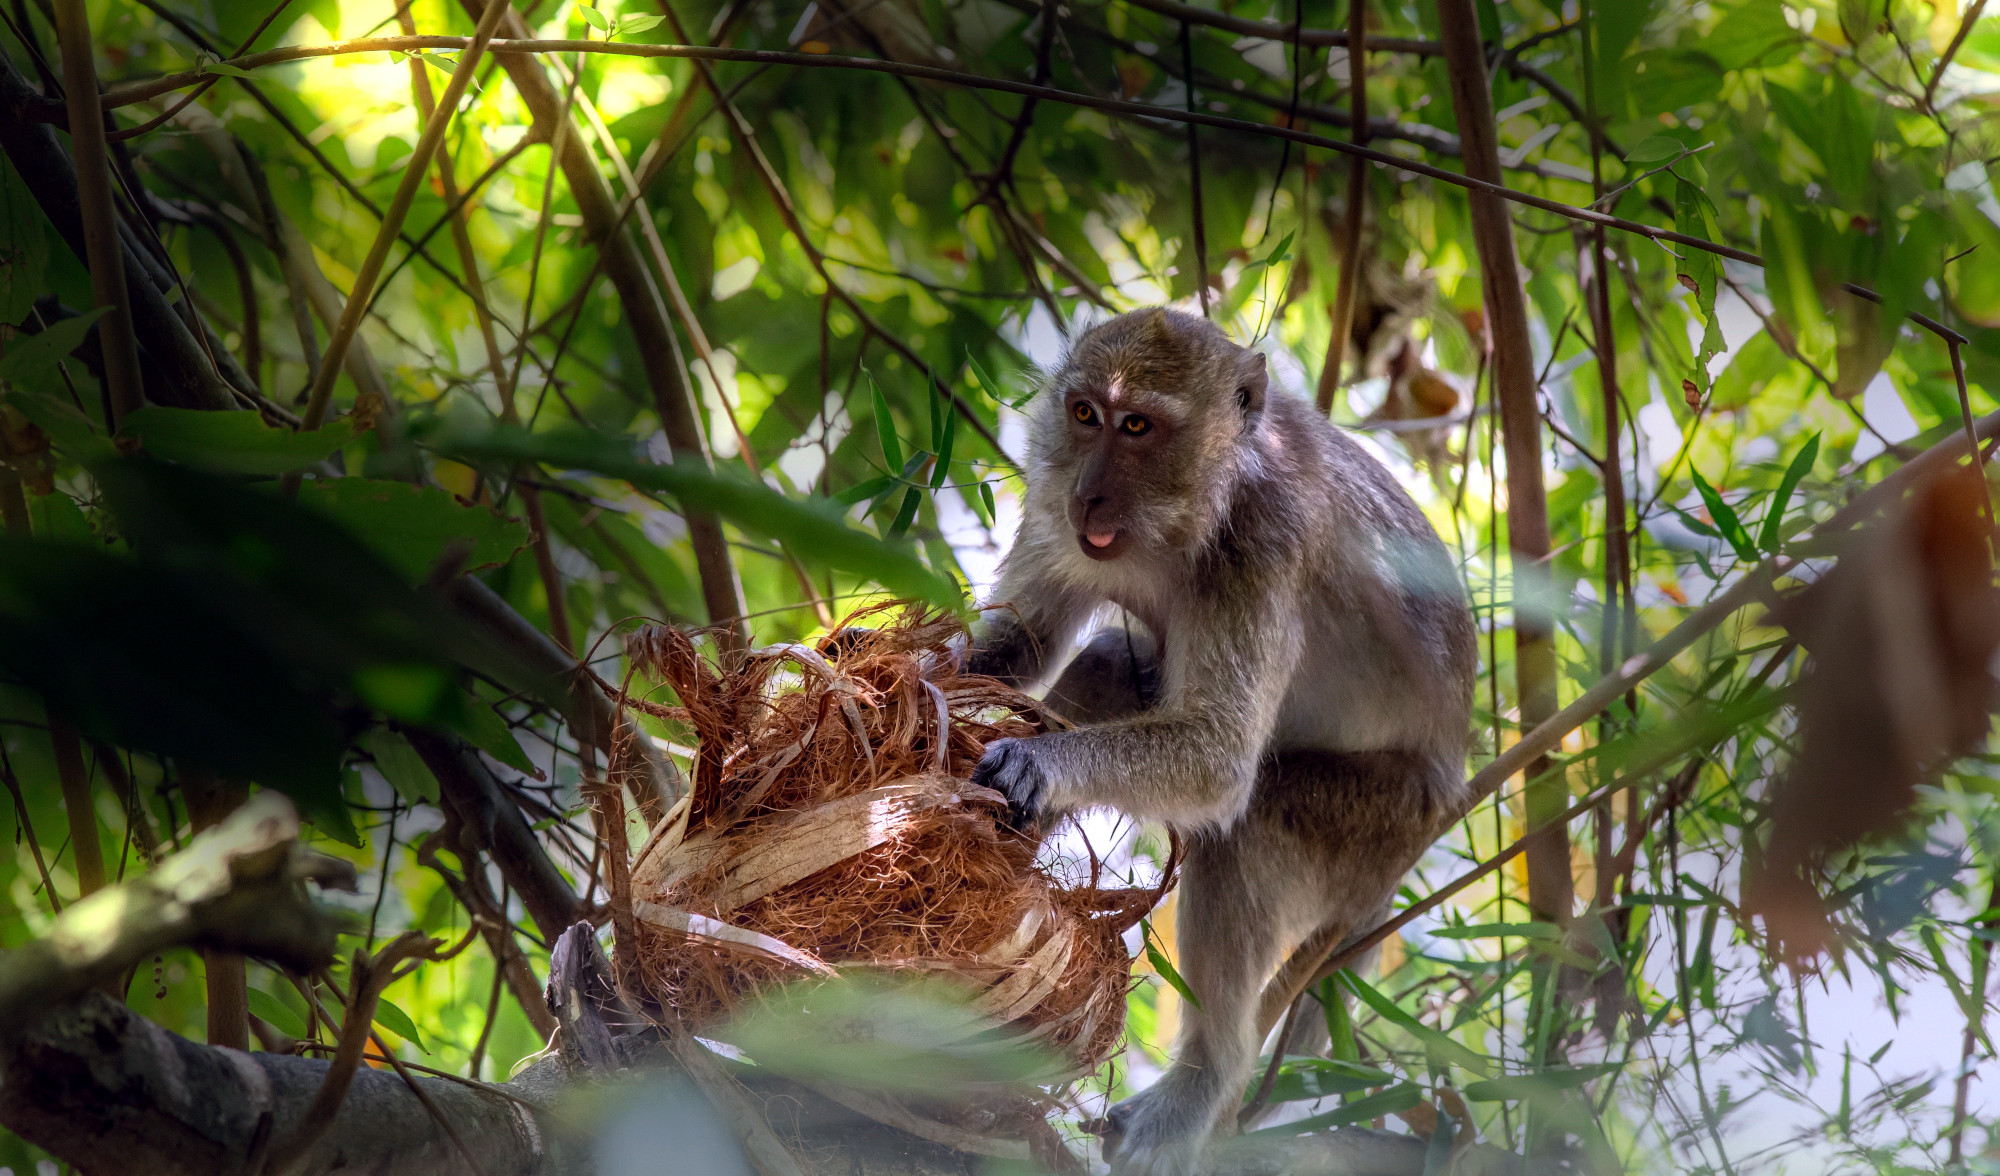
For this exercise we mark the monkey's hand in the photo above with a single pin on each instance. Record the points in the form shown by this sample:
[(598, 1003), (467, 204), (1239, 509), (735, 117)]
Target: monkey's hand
[(1012, 768)]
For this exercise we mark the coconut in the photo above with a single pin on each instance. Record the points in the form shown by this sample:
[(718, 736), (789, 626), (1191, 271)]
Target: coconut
[(832, 826)]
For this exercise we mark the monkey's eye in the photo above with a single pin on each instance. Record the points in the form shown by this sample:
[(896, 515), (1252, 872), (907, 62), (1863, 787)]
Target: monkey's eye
[(1084, 413), (1136, 426)]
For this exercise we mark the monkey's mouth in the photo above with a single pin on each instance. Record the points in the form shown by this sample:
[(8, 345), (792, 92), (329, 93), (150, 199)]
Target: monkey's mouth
[(1101, 544)]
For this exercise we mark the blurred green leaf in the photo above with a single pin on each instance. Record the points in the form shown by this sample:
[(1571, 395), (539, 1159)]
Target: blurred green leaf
[(231, 442), (276, 1013), (1435, 1043), (413, 527), (1395, 1100), (813, 529)]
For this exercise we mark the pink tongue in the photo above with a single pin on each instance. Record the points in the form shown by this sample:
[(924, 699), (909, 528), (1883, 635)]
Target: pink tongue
[(1101, 540)]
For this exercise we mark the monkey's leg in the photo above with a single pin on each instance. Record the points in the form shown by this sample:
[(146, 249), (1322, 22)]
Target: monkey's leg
[(1327, 837), (1115, 675), (1242, 897)]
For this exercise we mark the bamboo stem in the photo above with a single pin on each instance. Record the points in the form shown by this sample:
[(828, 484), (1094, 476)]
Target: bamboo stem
[(104, 252)]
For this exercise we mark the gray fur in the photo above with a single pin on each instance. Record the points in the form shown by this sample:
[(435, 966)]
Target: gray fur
[(1303, 720)]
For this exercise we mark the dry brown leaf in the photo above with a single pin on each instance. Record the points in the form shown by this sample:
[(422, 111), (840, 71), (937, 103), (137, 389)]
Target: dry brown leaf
[(1902, 634)]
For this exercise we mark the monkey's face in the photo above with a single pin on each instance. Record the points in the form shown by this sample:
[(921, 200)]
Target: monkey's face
[(1140, 429)]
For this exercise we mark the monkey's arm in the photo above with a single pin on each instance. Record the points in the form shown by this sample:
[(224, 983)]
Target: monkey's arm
[(1192, 763), (1036, 619)]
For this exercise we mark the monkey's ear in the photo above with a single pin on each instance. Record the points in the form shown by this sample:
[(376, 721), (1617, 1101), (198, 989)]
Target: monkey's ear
[(1251, 380)]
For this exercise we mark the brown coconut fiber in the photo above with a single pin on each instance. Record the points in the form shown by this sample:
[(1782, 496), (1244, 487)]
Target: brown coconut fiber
[(832, 826)]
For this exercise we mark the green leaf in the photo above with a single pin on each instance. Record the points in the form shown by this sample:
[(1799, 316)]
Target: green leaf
[(995, 388), (1303, 1079), (1656, 149), (413, 526), (276, 1013), (1438, 1045), (1164, 966), (815, 528), (401, 766), (1700, 271), (483, 727), (986, 500), (907, 513), (36, 354), (885, 428), (1537, 1085), (395, 1020), (638, 22), (1392, 1101), (231, 442), (868, 489), (596, 19), (941, 470), (218, 67), (1496, 930), (1725, 518), (1772, 533)]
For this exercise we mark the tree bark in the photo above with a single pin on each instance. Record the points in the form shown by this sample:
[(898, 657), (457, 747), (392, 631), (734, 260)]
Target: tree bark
[(1550, 892)]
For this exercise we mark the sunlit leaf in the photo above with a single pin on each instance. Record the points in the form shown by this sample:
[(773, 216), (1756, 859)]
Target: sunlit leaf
[(1772, 534), (396, 1021)]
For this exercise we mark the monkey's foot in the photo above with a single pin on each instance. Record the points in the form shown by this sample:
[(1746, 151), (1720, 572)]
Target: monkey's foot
[(1158, 1132)]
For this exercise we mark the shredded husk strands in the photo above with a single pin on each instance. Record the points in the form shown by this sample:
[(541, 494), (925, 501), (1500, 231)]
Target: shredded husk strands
[(832, 826)]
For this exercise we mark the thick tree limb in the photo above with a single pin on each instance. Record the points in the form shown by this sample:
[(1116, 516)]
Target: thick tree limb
[(238, 887)]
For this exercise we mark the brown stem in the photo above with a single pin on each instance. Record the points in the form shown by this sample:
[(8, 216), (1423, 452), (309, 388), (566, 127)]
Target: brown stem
[(85, 848), (1549, 882), (320, 398), (684, 311), (659, 348), (103, 250), (209, 802), (1194, 174), (1965, 27), (1349, 286), (1975, 1016), (1136, 111), (369, 976)]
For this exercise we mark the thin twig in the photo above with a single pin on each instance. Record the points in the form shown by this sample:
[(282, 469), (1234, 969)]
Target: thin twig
[(321, 396), (1136, 111), (1194, 173)]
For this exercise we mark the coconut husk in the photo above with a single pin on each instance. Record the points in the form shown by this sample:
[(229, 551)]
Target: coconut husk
[(832, 826)]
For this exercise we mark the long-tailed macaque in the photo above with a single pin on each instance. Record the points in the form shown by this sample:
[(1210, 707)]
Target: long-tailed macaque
[(1298, 705)]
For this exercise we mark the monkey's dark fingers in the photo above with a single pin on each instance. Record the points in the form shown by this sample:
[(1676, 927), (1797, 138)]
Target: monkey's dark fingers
[(1009, 767), (839, 644)]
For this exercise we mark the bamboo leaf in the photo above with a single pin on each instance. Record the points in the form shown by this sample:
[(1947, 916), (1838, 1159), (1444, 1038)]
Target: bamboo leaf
[(1435, 1043), (1772, 534), (885, 428), (1726, 522), (1165, 966)]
